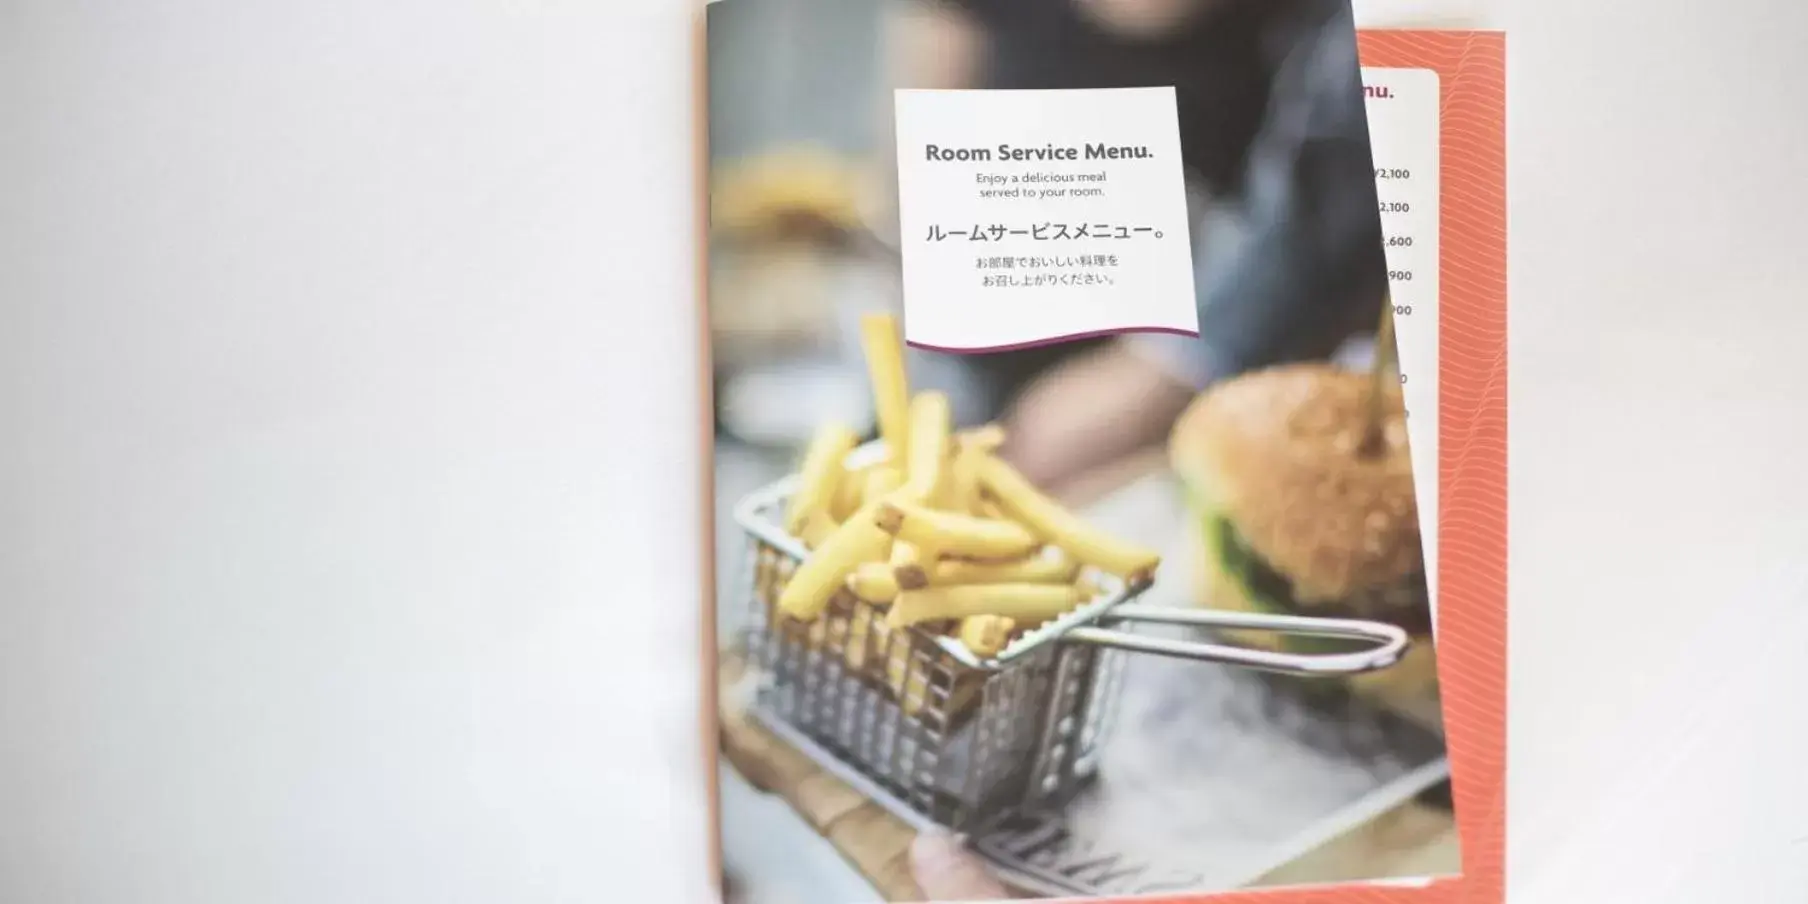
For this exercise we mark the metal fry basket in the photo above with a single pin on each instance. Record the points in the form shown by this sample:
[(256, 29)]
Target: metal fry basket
[(942, 738)]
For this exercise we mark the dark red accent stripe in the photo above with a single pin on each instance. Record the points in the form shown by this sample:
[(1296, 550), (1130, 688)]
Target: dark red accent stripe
[(1055, 340)]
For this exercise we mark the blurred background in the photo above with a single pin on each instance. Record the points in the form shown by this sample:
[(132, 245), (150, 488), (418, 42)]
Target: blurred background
[(788, 78), (792, 86)]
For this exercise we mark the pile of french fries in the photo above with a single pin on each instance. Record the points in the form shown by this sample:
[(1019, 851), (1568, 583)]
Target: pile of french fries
[(940, 534)]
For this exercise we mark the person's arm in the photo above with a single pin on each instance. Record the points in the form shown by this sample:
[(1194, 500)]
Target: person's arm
[(1308, 271), (1313, 273), (947, 871)]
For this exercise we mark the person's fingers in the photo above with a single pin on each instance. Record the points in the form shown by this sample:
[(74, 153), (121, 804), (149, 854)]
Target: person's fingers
[(946, 871), (1141, 18)]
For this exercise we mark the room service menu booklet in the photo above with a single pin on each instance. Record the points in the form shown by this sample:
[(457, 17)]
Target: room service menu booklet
[(1109, 407)]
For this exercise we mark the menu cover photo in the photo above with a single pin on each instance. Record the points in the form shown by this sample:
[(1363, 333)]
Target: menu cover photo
[(1095, 386)]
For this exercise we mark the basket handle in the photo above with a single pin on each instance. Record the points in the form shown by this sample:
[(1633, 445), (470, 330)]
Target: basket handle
[(1390, 642)]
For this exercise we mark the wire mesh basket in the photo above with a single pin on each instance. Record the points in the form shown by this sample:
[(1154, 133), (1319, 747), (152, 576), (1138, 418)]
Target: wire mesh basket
[(940, 737)]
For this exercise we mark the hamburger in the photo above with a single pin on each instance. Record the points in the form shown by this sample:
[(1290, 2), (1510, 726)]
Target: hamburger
[(1303, 492)]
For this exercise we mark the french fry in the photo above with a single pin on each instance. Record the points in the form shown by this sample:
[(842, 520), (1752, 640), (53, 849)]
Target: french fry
[(909, 566), (957, 534), (820, 632), (908, 677), (985, 439), (821, 471), (837, 639), (914, 695), (963, 494), (938, 533), (883, 343), (880, 481), (826, 570), (1060, 527), (986, 635), (860, 627), (906, 674), (897, 656), (874, 582), (1023, 603), (926, 459), (1037, 570), (850, 492), (950, 497), (816, 528), (1013, 559)]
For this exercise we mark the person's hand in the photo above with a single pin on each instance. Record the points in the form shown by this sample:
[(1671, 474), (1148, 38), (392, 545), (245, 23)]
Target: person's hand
[(946, 871), (1090, 412), (1142, 18)]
